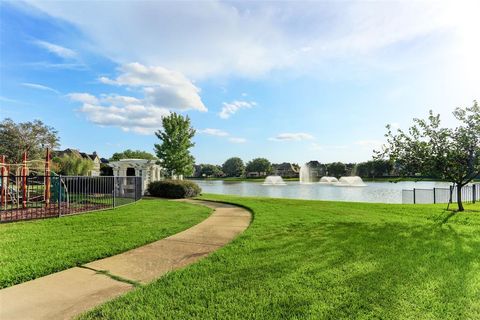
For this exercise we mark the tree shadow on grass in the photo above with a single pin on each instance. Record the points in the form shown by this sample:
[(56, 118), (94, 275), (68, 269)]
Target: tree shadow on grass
[(337, 270), (355, 270)]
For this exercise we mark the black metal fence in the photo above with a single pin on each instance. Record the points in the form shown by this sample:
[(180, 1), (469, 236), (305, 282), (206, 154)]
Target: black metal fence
[(35, 197), (470, 194)]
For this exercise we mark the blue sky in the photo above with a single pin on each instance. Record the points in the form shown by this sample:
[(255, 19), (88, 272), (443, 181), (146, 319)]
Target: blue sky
[(289, 81)]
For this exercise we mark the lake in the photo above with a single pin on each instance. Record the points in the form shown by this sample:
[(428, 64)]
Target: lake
[(383, 192)]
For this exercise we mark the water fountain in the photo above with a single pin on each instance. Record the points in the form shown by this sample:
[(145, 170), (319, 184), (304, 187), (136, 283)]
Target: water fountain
[(274, 181), (305, 174), (310, 172), (352, 181), (328, 180)]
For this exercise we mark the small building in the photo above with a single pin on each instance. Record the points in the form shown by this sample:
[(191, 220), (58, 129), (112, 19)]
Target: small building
[(148, 170)]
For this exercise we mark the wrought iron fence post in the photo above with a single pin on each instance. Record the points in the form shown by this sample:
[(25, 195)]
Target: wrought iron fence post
[(434, 196), (139, 193), (135, 183), (59, 195), (414, 197), (114, 187)]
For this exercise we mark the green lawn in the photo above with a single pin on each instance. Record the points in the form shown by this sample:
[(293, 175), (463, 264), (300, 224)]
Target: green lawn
[(36, 248), (325, 260)]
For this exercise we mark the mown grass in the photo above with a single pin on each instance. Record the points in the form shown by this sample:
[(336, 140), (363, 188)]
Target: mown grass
[(325, 260), (32, 249)]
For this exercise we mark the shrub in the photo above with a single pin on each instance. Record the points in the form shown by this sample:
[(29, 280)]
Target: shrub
[(174, 189)]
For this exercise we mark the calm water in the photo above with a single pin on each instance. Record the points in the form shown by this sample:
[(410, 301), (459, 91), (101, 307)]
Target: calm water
[(386, 192)]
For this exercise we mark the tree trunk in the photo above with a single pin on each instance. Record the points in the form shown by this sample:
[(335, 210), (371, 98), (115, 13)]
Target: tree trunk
[(459, 197)]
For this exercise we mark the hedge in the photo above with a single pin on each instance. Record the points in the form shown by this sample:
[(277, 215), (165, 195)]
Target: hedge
[(174, 189)]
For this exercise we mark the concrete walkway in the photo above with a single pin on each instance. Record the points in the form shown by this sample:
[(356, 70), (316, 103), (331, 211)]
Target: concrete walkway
[(68, 293)]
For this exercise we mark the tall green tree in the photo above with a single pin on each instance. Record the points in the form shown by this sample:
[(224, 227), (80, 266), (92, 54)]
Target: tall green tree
[(210, 170), (233, 167), (260, 165), (374, 168), (176, 141), (31, 137), (336, 169), (132, 154), (428, 149)]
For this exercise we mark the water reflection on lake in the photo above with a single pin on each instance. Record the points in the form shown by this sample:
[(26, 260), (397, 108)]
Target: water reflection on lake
[(386, 192)]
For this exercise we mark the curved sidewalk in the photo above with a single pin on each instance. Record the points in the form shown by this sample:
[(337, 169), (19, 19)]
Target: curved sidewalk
[(68, 293)]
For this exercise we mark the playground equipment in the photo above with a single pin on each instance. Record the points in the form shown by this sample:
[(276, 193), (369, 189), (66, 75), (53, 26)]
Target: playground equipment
[(16, 178), (31, 190)]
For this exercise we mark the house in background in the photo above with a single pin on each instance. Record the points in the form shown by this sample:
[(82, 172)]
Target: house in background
[(255, 174), (316, 169), (95, 172), (286, 170)]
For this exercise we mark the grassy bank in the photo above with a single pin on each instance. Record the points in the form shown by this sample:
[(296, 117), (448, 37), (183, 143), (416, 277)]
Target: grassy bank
[(325, 260), (36, 248)]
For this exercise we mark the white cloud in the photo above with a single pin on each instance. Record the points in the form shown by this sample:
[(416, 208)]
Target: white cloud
[(231, 108), (135, 118), (127, 113), (237, 140), (39, 87), (296, 136), (77, 65), (306, 49), (214, 132), (161, 87), (118, 100), (84, 97), (202, 39), (5, 99), (221, 133), (56, 49), (163, 91)]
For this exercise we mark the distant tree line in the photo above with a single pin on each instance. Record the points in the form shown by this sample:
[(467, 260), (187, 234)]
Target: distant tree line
[(234, 167), (261, 167)]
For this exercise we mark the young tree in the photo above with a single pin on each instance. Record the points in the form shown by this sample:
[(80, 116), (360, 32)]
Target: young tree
[(31, 137), (72, 165), (428, 149), (174, 151), (132, 154), (233, 167), (260, 165)]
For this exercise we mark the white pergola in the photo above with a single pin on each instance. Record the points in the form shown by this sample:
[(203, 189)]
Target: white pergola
[(147, 169)]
